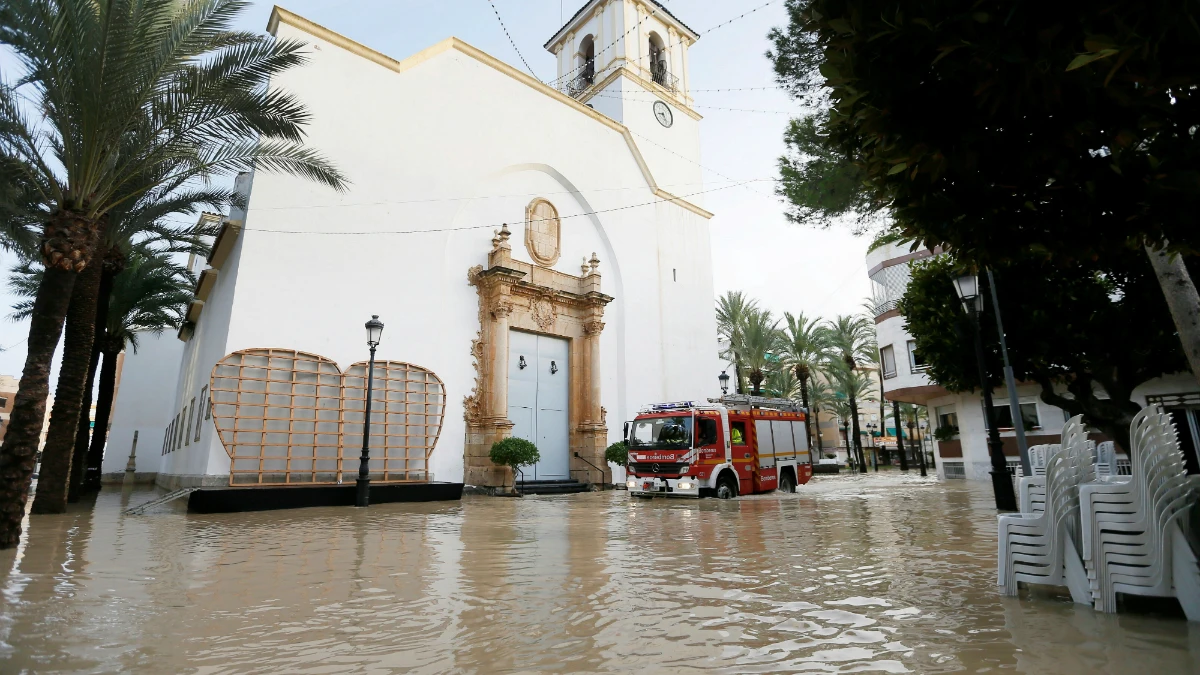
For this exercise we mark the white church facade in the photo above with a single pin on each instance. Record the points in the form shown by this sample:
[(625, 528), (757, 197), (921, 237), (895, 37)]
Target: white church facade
[(540, 255)]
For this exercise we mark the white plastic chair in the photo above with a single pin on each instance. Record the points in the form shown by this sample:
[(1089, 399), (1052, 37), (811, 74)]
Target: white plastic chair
[(1040, 547)]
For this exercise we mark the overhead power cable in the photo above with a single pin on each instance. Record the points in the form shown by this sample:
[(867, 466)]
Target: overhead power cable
[(489, 226), (384, 202), (513, 42), (702, 107), (566, 76)]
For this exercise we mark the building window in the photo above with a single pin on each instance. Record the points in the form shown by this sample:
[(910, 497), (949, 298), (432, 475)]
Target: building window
[(1004, 418), (660, 72), (3, 402), (200, 417), (887, 357), (180, 429), (947, 417), (187, 439), (174, 435), (208, 408), (954, 469), (916, 364)]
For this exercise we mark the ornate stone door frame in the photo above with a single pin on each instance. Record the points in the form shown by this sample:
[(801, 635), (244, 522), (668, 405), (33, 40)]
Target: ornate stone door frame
[(515, 294)]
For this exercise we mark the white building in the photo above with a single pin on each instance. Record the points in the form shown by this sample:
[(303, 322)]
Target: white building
[(441, 148), (965, 455)]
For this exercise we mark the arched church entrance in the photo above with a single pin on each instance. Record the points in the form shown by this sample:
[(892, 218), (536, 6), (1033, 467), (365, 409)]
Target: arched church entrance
[(537, 360)]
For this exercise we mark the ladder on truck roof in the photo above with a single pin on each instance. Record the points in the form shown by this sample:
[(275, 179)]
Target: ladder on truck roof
[(748, 401)]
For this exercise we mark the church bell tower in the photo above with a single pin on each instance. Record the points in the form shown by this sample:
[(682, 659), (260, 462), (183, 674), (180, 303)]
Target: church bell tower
[(628, 59)]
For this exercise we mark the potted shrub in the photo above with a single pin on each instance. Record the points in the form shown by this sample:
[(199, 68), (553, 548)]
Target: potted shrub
[(617, 453), (945, 433), (514, 453)]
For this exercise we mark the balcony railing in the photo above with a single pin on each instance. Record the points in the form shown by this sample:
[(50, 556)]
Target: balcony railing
[(658, 72)]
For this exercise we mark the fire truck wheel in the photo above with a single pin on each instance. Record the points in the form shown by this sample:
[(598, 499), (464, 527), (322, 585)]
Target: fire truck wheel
[(787, 483), (726, 487)]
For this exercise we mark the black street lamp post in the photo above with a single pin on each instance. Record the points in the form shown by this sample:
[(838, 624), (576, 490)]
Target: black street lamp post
[(724, 378), (967, 287), (363, 498)]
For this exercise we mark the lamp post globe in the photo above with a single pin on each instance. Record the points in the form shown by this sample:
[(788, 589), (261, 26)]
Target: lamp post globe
[(966, 286), (724, 378), (374, 331), (363, 494)]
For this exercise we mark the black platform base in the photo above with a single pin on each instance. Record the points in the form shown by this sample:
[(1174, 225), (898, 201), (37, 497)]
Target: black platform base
[(551, 487), (238, 499)]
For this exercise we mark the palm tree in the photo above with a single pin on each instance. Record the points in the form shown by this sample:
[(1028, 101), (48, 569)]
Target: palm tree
[(732, 310), (802, 349), (120, 89), (760, 339), (851, 339), (821, 396), (855, 386), (781, 384), (151, 294), (840, 406)]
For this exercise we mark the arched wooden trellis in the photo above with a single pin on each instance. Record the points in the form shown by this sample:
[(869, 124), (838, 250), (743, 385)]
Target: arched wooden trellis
[(289, 417)]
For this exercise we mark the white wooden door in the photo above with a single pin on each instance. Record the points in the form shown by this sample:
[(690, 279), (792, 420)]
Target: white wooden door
[(538, 400)]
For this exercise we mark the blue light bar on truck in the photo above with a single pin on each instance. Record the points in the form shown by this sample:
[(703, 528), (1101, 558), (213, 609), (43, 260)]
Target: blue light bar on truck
[(678, 405)]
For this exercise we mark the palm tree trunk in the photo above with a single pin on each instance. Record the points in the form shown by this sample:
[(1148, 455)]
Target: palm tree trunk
[(83, 430), (114, 263), (18, 454), (1182, 299), (817, 423), (104, 401), (737, 370), (862, 460), (55, 475), (807, 412), (899, 435)]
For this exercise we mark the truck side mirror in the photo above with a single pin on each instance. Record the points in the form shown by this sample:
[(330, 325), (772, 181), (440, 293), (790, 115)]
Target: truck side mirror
[(626, 437)]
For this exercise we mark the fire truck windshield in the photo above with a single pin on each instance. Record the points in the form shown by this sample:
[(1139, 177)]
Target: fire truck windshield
[(661, 433)]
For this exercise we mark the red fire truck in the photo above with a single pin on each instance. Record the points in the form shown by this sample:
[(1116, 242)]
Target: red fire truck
[(731, 446)]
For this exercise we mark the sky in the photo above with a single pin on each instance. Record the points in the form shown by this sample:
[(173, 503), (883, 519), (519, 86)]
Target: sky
[(786, 267)]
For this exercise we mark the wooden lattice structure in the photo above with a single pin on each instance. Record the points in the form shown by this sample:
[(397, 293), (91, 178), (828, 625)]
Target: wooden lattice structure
[(288, 417)]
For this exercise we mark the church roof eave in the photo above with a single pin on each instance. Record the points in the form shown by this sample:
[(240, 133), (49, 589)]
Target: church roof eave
[(281, 15), (671, 18)]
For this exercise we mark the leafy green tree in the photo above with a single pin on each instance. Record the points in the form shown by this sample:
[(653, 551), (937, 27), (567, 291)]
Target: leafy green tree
[(998, 130), (110, 92), (514, 453), (733, 308), (817, 183), (1098, 330)]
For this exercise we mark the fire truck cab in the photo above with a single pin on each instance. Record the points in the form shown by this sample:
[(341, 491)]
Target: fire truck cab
[(731, 446)]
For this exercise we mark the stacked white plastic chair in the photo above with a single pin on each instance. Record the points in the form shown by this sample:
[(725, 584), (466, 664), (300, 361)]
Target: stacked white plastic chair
[(1032, 489), (1133, 542), (1106, 459), (1040, 548)]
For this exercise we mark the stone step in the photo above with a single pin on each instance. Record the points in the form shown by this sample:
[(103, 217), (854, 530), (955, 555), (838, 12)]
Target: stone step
[(551, 487)]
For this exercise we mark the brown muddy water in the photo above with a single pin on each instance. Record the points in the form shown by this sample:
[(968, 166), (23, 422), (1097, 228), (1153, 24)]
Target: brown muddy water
[(883, 573)]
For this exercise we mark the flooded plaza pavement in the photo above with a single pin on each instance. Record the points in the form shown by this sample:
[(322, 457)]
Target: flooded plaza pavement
[(880, 573)]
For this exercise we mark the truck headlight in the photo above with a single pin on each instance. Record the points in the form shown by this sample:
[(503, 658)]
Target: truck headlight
[(683, 485), (631, 483)]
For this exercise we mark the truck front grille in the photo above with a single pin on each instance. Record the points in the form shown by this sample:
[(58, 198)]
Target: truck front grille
[(659, 468)]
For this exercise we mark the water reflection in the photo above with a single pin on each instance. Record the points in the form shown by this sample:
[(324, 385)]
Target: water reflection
[(879, 573)]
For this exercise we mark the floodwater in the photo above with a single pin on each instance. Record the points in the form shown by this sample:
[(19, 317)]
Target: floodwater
[(883, 573)]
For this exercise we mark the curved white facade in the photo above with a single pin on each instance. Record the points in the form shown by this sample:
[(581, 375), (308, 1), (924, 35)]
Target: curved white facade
[(441, 149)]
